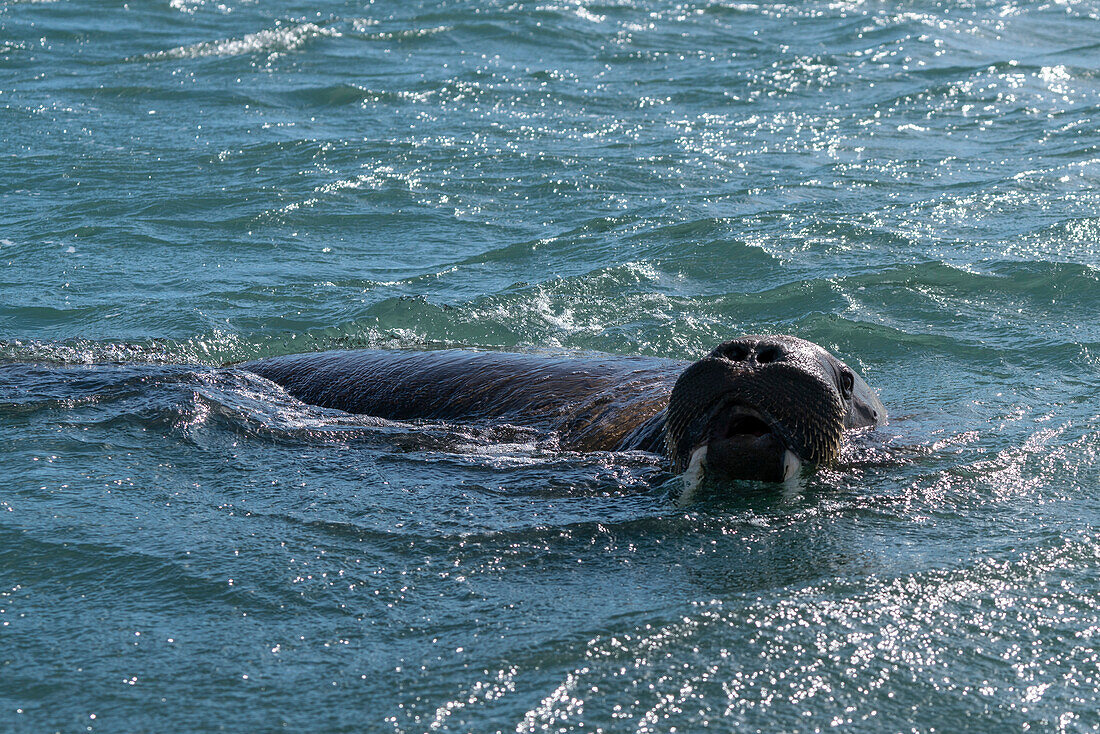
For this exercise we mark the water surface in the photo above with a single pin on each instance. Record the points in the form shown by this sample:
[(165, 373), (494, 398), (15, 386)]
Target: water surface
[(187, 184)]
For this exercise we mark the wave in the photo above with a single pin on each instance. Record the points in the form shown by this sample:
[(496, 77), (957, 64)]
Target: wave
[(271, 41)]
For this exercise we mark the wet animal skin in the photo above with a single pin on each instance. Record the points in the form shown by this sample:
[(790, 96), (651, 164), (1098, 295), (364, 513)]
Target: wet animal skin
[(756, 407)]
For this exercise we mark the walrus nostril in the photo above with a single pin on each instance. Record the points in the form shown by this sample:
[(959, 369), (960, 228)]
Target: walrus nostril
[(735, 352), (767, 354)]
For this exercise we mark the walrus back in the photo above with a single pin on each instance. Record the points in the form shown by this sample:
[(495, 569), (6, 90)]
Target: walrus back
[(568, 391)]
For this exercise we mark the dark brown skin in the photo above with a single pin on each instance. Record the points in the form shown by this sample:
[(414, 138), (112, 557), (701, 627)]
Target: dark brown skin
[(594, 403), (753, 402)]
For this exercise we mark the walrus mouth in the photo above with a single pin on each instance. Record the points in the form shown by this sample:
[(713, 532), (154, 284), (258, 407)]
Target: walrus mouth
[(744, 442), (739, 421)]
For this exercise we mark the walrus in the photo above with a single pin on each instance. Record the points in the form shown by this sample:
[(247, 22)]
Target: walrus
[(756, 407)]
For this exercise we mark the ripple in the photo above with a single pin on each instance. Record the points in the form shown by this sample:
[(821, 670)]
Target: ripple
[(271, 41)]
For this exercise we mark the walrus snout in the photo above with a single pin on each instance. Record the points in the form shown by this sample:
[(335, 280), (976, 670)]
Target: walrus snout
[(761, 407)]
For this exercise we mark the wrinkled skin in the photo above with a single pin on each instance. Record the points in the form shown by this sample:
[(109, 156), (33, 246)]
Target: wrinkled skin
[(757, 407), (760, 407)]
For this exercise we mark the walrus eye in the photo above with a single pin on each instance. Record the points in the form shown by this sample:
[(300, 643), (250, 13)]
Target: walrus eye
[(847, 383)]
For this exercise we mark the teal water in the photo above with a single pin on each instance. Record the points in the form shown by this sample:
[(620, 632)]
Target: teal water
[(185, 184)]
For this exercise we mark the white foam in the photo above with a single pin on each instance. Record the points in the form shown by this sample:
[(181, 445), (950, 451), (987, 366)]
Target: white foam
[(272, 41)]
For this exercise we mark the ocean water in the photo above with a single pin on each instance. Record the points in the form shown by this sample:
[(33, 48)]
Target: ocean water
[(186, 184)]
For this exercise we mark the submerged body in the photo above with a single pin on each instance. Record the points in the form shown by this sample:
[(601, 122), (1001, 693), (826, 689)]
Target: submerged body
[(754, 408)]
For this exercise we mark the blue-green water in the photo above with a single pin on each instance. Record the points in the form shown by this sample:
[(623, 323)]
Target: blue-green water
[(186, 183)]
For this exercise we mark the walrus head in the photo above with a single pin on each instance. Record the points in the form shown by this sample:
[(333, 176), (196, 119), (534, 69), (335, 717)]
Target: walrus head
[(759, 407)]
